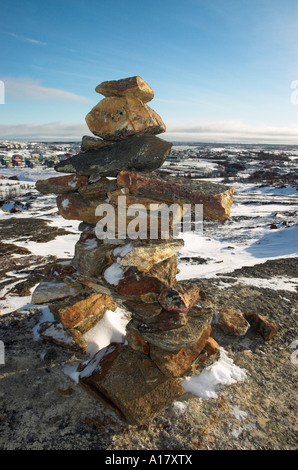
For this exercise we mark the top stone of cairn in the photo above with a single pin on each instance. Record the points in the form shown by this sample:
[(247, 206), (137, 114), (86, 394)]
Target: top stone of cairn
[(134, 86)]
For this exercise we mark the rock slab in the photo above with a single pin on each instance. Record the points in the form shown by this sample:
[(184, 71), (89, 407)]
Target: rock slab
[(216, 199), (130, 383), (141, 153)]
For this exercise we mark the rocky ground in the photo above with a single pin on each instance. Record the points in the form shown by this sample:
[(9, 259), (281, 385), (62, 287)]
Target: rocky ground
[(42, 407)]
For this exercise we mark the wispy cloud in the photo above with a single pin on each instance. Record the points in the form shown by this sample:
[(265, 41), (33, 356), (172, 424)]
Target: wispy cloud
[(27, 89), (232, 131), (48, 131), (19, 37)]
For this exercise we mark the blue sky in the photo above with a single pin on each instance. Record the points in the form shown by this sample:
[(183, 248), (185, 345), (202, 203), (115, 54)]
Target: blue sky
[(221, 70)]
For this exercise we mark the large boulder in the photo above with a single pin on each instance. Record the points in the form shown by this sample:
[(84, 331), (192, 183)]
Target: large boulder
[(117, 118), (139, 153)]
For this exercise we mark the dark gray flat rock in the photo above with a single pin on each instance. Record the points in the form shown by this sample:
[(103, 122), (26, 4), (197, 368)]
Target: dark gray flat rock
[(139, 153)]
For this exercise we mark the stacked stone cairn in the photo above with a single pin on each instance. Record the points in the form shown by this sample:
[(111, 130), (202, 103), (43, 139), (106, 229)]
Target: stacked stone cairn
[(169, 323)]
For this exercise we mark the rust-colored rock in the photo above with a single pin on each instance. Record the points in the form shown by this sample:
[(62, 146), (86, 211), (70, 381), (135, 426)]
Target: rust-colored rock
[(61, 184), (130, 383), (232, 322), (157, 278), (211, 346), (176, 363), (116, 118), (262, 325), (179, 298), (216, 199), (73, 312), (75, 207), (134, 86)]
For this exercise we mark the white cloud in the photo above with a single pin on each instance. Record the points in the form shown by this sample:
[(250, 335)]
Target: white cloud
[(232, 131), (48, 131), (27, 89)]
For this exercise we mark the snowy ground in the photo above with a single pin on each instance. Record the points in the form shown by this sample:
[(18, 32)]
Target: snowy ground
[(246, 239)]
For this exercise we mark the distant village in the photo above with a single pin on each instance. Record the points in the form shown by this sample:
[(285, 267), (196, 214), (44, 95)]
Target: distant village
[(31, 154), (193, 160)]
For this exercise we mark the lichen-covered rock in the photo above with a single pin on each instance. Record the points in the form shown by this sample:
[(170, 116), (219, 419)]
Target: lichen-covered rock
[(134, 86), (176, 363), (173, 339), (93, 143), (262, 325), (145, 254), (116, 118), (130, 383), (91, 255), (232, 321), (161, 275), (216, 199), (48, 291), (96, 190), (139, 152), (75, 207), (179, 298), (83, 311)]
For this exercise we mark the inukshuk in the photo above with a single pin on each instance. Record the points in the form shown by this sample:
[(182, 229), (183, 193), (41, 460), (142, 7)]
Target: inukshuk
[(170, 322)]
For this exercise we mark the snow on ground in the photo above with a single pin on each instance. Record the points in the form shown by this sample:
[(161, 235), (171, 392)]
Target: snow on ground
[(213, 378), (223, 257), (246, 239), (39, 172)]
